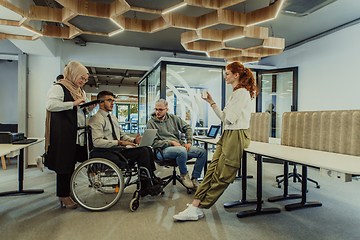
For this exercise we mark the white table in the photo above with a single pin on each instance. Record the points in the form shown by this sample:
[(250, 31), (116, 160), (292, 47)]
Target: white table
[(6, 149), (305, 157)]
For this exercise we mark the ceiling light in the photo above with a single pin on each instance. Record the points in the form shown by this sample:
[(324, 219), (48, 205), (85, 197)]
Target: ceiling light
[(172, 9), (260, 22), (116, 23), (277, 13), (227, 40), (272, 47), (115, 32)]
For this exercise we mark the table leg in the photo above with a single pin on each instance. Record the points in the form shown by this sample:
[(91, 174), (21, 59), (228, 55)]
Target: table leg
[(259, 210), (303, 203), (206, 163), (21, 191), (3, 162), (286, 187), (243, 200)]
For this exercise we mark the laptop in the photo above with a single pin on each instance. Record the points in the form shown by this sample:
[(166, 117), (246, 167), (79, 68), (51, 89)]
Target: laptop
[(213, 131), (147, 138), (25, 141)]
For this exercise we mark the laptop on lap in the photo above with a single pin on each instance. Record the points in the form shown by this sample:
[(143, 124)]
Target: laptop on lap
[(147, 138)]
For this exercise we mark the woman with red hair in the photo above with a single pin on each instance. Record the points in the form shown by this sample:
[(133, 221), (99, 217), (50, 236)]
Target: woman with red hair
[(229, 149)]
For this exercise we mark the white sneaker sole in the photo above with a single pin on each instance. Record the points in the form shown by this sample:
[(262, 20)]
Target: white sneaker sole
[(185, 218)]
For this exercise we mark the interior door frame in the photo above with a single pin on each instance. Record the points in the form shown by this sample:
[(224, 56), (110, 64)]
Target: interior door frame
[(260, 72)]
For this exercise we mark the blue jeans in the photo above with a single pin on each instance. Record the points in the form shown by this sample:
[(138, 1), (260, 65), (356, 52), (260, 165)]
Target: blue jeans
[(181, 155)]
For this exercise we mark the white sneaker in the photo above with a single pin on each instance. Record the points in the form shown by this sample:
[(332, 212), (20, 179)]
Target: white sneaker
[(189, 214), (186, 180), (39, 163), (195, 182), (199, 211)]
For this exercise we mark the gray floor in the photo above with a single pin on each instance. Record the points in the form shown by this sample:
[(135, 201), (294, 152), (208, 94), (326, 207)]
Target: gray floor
[(40, 217)]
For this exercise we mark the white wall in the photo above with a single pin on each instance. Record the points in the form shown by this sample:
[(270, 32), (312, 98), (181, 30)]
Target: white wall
[(8, 92), (328, 77), (42, 73), (6, 47)]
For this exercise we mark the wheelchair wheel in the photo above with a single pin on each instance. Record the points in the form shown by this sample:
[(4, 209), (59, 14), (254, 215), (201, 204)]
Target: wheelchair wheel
[(97, 184), (134, 204)]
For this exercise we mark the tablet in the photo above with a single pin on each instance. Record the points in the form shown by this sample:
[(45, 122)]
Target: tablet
[(91, 103)]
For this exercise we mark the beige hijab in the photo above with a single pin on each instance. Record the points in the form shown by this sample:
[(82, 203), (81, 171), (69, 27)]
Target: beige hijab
[(72, 72)]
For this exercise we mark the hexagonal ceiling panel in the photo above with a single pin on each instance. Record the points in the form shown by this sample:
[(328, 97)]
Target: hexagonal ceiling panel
[(205, 26)]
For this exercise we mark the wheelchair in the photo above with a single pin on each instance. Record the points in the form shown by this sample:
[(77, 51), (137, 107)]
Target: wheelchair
[(97, 183)]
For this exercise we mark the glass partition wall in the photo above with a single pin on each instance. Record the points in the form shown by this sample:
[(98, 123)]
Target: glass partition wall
[(181, 83)]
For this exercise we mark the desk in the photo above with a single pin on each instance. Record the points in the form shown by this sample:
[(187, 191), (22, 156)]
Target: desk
[(6, 149), (243, 200), (305, 157)]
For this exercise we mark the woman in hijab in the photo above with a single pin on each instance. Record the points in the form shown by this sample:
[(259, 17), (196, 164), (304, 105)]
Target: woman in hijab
[(64, 143)]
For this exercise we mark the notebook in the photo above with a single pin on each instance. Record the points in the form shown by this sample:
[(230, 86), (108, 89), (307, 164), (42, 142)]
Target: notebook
[(147, 138), (213, 131)]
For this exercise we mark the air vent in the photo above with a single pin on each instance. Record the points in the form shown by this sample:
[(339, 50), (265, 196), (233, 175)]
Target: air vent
[(301, 8)]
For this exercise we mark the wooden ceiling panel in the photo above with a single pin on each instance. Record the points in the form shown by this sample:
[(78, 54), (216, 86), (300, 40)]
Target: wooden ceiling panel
[(212, 27)]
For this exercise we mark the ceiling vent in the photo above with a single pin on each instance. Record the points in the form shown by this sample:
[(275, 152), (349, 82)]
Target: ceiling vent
[(301, 8)]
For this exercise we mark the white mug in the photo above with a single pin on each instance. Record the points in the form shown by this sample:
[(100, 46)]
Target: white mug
[(204, 94)]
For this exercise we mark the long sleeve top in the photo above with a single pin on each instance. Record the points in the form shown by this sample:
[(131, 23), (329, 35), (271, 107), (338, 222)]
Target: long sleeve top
[(236, 114), (101, 130), (169, 130), (55, 103)]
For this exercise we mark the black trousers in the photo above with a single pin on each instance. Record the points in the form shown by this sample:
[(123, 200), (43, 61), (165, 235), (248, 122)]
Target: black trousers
[(144, 156), (63, 180), (63, 185)]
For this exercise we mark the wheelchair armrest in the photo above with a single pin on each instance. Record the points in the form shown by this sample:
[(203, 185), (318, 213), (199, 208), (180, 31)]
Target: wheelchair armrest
[(119, 155), (161, 153)]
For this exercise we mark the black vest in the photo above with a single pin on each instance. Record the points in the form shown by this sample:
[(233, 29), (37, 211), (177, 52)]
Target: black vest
[(63, 132)]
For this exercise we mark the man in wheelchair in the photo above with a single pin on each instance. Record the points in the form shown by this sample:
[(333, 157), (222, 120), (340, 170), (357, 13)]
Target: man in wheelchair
[(107, 133)]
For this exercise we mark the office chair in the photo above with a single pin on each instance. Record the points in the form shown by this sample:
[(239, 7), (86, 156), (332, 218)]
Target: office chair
[(169, 162), (296, 176)]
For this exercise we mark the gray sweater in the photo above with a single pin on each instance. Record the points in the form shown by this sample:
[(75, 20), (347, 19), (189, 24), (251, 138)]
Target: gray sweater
[(169, 130)]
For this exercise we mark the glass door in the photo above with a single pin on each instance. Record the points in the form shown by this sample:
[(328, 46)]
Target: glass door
[(278, 94), (124, 116)]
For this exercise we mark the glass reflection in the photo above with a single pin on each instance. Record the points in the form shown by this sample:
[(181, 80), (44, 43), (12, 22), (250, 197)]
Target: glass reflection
[(183, 93)]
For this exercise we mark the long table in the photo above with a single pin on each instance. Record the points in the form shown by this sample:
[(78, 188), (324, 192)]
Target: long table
[(6, 149), (305, 157)]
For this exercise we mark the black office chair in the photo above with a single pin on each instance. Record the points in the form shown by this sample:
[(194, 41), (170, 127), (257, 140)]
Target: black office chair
[(169, 162), (296, 176)]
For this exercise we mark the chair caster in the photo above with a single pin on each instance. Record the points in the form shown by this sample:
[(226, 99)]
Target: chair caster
[(134, 204), (317, 186), (162, 193), (279, 186), (188, 191)]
